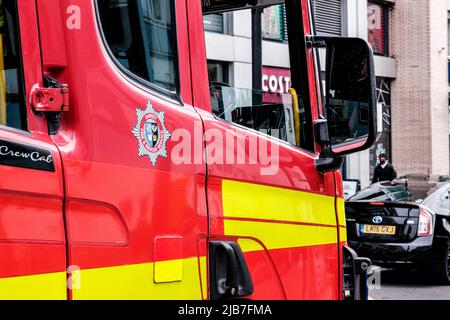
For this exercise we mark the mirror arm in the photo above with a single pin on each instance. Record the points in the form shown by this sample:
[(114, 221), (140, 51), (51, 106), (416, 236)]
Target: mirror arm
[(316, 41), (328, 162)]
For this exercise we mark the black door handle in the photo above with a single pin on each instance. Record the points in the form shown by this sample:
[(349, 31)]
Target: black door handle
[(229, 274)]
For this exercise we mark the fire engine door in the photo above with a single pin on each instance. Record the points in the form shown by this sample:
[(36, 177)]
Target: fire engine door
[(32, 236), (135, 211), (273, 224)]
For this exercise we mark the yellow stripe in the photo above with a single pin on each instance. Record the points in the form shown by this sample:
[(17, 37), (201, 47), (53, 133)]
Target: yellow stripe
[(136, 282), (204, 277), (280, 236), (244, 200), (248, 245), (50, 286), (343, 234), (341, 211), (168, 271)]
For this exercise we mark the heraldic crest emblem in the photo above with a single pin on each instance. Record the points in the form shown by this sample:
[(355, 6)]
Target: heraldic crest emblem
[(151, 133)]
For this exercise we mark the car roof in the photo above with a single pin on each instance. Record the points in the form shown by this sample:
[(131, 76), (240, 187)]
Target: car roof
[(438, 187)]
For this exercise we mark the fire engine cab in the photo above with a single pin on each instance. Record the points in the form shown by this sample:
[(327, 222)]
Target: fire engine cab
[(127, 172)]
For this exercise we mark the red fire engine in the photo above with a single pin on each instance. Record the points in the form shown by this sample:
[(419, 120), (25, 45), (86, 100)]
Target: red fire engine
[(111, 184)]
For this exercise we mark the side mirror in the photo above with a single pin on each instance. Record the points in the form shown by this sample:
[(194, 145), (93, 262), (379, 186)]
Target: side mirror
[(351, 103)]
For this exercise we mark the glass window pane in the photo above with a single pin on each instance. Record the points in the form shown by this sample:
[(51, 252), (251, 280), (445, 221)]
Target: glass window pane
[(214, 23), (12, 103), (377, 30), (277, 110), (273, 24), (141, 35)]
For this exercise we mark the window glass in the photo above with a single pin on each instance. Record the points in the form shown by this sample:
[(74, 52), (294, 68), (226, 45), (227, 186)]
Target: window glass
[(278, 108), (401, 196), (274, 23), (141, 35), (448, 33), (214, 23), (370, 194), (218, 71), (378, 27), (12, 103)]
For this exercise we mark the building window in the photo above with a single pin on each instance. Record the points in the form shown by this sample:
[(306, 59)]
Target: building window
[(328, 17), (384, 144), (378, 24), (274, 23), (214, 23), (219, 81), (12, 102), (448, 34), (141, 36), (218, 72)]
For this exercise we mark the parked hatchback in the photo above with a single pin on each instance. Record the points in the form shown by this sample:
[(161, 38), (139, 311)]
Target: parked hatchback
[(387, 227)]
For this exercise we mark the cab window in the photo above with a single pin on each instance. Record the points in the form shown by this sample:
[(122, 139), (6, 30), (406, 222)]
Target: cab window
[(141, 36), (12, 102), (280, 106)]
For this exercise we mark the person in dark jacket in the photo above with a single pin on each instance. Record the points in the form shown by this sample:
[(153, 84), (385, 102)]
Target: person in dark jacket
[(384, 170)]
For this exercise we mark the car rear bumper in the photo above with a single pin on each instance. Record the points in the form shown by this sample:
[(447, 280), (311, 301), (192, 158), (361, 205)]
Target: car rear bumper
[(394, 253)]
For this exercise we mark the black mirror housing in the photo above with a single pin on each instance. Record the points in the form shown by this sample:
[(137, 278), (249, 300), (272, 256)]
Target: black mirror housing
[(351, 102)]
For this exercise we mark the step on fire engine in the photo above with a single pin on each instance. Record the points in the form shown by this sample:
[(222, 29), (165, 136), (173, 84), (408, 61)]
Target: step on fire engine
[(114, 181)]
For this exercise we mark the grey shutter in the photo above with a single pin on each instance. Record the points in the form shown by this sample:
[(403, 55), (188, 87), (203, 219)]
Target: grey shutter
[(328, 16)]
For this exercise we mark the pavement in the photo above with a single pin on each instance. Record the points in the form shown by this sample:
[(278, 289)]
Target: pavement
[(401, 285)]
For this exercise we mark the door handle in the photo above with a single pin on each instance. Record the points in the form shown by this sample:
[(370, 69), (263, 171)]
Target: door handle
[(229, 273)]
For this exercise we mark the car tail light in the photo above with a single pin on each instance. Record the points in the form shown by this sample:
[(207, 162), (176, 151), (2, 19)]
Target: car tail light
[(425, 224), (377, 203)]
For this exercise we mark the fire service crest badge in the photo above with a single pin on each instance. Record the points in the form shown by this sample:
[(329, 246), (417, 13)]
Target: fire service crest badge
[(151, 133)]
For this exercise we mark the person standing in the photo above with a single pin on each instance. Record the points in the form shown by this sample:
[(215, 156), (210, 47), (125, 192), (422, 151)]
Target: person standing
[(384, 170)]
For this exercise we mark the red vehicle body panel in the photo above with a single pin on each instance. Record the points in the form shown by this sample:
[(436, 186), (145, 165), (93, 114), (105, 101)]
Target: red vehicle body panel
[(117, 227), (301, 272)]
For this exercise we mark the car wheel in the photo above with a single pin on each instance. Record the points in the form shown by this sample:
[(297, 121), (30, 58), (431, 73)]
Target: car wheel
[(441, 264), (447, 278)]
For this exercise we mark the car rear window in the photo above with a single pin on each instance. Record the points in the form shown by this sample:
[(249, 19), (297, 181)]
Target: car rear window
[(370, 194)]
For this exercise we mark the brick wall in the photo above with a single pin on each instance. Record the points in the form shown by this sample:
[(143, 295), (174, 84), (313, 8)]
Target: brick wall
[(420, 139)]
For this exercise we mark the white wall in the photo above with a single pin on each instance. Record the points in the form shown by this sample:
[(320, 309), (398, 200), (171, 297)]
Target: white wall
[(439, 86)]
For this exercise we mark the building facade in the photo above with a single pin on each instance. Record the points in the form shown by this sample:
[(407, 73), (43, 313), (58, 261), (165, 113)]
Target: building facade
[(420, 122)]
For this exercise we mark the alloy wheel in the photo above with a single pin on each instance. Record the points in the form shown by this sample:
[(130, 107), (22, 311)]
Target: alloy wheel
[(448, 262)]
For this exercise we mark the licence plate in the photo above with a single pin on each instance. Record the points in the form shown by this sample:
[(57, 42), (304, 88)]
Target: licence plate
[(374, 229)]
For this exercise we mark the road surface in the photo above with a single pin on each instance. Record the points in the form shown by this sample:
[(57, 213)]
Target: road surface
[(395, 285)]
